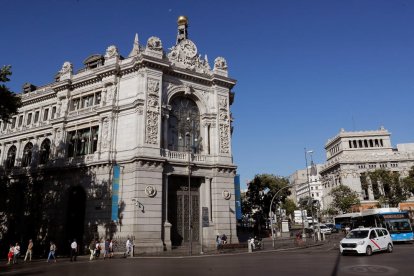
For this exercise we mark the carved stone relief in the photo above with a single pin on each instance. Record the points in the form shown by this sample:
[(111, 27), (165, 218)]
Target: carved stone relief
[(154, 44), (64, 107), (152, 112), (111, 52), (224, 138), (184, 55), (105, 133), (110, 94), (67, 68), (220, 63), (224, 128)]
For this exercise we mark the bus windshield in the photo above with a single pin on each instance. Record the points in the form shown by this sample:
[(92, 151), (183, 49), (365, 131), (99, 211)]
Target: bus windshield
[(398, 225)]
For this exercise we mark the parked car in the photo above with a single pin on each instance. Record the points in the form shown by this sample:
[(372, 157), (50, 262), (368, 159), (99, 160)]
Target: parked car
[(332, 227), (366, 241), (324, 229)]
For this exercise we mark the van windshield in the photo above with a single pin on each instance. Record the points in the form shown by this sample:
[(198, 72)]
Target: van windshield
[(357, 234)]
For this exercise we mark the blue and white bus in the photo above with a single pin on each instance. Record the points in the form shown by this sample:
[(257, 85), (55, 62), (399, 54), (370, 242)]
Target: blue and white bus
[(395, 221)]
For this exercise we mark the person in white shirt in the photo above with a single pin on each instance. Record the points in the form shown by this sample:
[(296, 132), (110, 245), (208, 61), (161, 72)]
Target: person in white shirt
[(16, 253), (73, 250), (128, 246)]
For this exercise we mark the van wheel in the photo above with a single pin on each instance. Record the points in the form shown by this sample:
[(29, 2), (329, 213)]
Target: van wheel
[(389, 248), (368, 251)]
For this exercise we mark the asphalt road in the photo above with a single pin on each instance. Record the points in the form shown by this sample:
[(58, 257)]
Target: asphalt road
[(315, 261)]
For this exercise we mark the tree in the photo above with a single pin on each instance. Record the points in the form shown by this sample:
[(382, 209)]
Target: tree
[(306, 203), (290, 207), (344, 199), (9, 101), (388, 188), (262, 189), (408, 182)]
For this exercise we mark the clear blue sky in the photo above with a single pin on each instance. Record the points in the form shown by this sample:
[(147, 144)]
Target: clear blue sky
[(305, 68)]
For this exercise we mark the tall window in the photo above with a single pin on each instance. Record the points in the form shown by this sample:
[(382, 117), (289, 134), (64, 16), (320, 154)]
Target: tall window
[(46, 114), (29, 119), (85, 101), (45, 151), (184, 125), (53, 112), (20, 120), (36, 117), (27, 155), (13, 124), (83, 141), (11, 157)]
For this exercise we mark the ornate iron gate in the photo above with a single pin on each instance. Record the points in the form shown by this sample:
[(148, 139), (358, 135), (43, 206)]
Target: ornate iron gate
[(180, 215)]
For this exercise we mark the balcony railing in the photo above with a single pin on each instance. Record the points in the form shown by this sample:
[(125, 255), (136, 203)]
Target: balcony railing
[(182, 156)]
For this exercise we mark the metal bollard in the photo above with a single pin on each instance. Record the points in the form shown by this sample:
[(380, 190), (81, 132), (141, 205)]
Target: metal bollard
[(249, 245), (323, 236)]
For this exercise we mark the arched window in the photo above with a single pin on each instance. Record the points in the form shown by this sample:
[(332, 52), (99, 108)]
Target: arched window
[(44, 151), (27, 155), (11, 157), (184, 126)]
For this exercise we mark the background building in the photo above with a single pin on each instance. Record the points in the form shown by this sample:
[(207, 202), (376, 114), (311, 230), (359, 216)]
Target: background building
[(351, 154), (128, 146), (301, 188)]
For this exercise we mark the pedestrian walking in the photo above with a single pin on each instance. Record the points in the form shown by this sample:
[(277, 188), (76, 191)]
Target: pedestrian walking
[(29, 251), (16, 253), (10, 254), (92, 250), (52, 251), (106, 249), (111, 249), (128, 246), (73, 250), (97, 249)]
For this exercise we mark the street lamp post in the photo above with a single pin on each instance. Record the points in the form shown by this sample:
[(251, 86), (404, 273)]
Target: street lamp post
[(189, 128), (271, 204), (190, 230), (309, 190)]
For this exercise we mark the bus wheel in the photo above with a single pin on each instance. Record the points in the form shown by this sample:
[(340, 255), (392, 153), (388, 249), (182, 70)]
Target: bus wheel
[(368, 251), (389, 248)]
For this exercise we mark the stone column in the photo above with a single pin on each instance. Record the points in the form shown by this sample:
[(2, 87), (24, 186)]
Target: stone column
[(208, 197), (167, 224)]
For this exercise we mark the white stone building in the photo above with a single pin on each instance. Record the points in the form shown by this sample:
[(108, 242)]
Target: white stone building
[(299, 180), (350, 154), (144, 113)]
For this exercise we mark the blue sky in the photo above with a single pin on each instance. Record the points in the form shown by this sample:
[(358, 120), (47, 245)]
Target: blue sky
[(305, 68)]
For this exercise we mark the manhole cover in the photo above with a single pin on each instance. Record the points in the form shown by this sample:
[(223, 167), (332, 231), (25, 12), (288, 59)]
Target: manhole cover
[(369, 269)]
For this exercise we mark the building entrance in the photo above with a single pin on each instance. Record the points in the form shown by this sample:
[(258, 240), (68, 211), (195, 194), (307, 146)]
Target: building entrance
[(75, 215), (179, 211)]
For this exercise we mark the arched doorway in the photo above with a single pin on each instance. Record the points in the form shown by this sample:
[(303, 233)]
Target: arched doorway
[(27, 155), (178, 211), (75, 219)]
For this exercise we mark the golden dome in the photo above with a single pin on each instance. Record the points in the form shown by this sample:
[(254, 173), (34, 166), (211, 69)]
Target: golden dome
[(182, 20)]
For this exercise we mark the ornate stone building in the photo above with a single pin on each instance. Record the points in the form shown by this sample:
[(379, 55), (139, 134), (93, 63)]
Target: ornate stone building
[(154, 123), (351, 154)]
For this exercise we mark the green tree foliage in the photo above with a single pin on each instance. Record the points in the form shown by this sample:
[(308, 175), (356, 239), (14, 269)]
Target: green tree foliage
[(306, 203), (289, 206), (262, 189), (408, 182), (9, 101), (388, 188), (343, 199)]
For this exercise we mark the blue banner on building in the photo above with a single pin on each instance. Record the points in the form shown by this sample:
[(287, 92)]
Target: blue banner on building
[(115, 193), (237, 196)]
